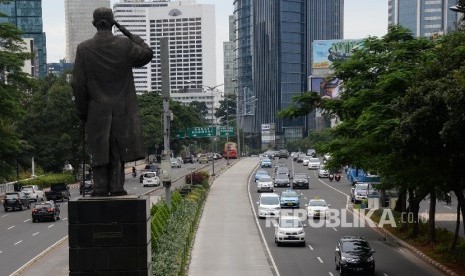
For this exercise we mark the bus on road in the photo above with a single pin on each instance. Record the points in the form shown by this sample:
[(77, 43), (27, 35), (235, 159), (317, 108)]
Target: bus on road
[(230, 150)]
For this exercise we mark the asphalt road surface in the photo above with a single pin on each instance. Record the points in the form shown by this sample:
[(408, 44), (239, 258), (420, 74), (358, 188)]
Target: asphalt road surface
[(21, 240), (317, 257)]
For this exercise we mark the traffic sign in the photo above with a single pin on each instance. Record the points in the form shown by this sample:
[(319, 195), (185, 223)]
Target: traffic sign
[(180, 134), (201, 132), (224, 130)]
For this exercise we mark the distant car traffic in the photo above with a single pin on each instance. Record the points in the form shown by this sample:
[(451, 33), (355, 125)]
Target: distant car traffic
[(259, 174), (354, 254), (266, 163), (203, 159), (323, 172), (86, 186), (359, 192), (289, 199), (268, 205), (150, 179), (33, 192), (175, 163), (300, 180), (314, 164), (58, 191), (300, 157), (48, 210), (317, 208), (311, 152), (16, 201), (289, 229), (282, 180), (283, 154), (305, 160), (265, 184)]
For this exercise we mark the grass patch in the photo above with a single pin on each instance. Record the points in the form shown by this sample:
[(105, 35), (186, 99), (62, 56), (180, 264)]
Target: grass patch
[(439, 251)]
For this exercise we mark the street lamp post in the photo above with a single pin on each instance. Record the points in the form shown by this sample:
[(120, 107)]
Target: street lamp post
[(227, 130), (238, 131)]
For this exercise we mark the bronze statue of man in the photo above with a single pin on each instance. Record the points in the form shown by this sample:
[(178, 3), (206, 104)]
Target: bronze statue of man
[(105, 98)]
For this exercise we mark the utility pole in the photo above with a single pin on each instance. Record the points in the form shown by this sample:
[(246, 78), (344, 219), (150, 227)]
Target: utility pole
[(227, 129), (165, 91)]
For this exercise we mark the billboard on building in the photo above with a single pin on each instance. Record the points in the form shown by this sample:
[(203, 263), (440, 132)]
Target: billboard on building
[(327, 51), (325, 87)]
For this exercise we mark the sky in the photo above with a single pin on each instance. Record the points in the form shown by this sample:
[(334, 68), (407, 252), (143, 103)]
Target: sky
[(362, 18)]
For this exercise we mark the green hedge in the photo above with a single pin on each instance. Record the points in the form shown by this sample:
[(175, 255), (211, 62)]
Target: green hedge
[(173, 230), (46, 180)]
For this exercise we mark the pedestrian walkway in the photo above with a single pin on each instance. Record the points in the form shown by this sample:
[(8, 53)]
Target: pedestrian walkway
[(227, 240)]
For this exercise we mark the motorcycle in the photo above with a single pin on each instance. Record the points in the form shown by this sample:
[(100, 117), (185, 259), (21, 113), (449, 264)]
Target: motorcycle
[(331, 177), (134, 174), (337, 178)]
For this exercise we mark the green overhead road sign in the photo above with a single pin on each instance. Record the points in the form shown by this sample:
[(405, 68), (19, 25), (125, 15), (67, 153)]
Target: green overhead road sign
[(224, 130), (180, 134), (201, 132)]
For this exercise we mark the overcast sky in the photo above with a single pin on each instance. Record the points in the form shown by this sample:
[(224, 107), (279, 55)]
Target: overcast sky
[(362, 18)]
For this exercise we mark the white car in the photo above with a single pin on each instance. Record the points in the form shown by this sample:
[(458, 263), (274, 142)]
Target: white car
[(305, 160), (289, 230), (265, 184), (175, 163), (314, 164), (33, 192), (323, 172), (268, 205), (150, 179), (317, 208)]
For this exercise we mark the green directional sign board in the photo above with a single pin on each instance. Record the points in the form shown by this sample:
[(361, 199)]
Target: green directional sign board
[(201, 132), (224, 130), (180, 134)]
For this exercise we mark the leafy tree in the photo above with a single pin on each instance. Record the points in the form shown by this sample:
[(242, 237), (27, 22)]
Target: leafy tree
[(227, 110), (13, 85), (201, 108), (374, 80), (51, 125)]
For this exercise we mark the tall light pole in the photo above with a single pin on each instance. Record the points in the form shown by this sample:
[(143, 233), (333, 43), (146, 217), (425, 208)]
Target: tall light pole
[(212, 89), (238, 131), (227, 129)]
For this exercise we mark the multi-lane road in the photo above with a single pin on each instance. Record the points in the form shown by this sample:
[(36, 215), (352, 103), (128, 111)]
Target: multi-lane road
[(317, 258), (21, 240)]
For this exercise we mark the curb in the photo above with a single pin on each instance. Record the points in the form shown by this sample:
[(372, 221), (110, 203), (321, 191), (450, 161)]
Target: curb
[(40, 255), (412, 249)]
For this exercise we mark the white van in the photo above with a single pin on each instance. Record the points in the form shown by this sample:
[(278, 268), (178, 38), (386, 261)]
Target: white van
[(269, 205)]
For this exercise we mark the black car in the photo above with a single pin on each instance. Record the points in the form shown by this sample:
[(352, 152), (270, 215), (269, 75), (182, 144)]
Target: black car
[(354, 254), (283, 154), (48, 210), (300, 181), (16, 200)]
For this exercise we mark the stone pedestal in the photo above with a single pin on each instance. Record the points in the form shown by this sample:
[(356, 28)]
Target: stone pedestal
[(110, 236)]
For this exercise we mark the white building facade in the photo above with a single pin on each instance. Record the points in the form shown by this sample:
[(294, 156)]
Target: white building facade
[(78, 23), (190, 28)]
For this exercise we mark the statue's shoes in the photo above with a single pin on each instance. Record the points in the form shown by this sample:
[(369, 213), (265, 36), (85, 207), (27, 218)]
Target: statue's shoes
[(119, 193)]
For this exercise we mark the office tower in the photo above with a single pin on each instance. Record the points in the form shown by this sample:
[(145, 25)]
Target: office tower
[(78, 23), (424, 18), (229, 59), (190, 28), (27, 16), (274, 40)]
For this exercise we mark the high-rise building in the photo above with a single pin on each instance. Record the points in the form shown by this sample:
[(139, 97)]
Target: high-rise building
[(27, 16), (274, 40), (424, 18), (229, 59), (78, 22), (190, 28)]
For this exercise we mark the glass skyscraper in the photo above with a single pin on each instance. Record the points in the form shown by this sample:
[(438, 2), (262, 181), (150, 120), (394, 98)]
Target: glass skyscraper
[(279, 34), (26, 15), (423, 17)]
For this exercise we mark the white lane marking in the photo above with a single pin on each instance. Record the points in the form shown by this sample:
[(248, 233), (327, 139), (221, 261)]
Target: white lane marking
[(36, 233), (335, 229), (27, 220), (319, 259), (50, 226), (331, 274), (65, 219), (66, 203), (11, 227), (385, 274), (1, 252), (18, 242), (311, 248), (4, 215)]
